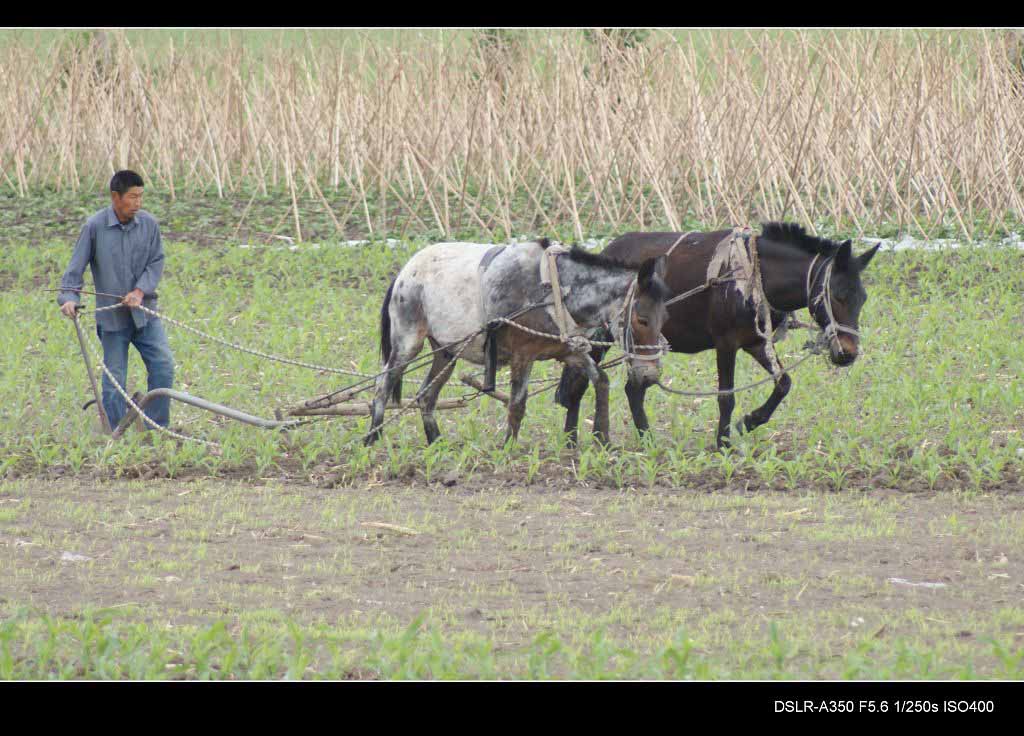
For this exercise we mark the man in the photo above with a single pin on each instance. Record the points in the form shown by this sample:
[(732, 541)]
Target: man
[(121, 245)]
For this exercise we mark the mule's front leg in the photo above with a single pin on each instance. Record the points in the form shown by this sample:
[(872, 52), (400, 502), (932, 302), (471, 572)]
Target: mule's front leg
[(520, 370), (602, 424), (635, 393), (763, 413), (602, 421), (571, 389), (726, 359), (574, 383)]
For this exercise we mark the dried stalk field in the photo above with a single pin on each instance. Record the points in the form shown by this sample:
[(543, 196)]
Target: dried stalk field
[(569, 132)]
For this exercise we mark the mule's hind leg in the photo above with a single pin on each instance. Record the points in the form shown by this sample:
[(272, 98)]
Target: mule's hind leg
[(386, 384), (763, 413), (405, 345), (520, 370), (440, 371)]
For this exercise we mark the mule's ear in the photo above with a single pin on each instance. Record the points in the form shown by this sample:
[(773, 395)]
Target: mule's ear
[(660, 267), (652, 267), (843, 255), (865, 258)]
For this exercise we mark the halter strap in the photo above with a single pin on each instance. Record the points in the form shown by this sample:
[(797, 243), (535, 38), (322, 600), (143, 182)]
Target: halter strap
[(626, 341), (834, 327), (810, 270), (627, 314)]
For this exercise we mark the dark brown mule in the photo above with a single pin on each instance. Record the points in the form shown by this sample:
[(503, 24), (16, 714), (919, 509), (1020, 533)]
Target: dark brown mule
[(794, 268)]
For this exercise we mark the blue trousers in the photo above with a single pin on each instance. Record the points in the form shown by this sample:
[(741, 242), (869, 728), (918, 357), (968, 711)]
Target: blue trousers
[(151, 342)]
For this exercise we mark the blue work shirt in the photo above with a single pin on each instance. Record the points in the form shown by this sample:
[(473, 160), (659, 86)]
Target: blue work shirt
[(122, 257)]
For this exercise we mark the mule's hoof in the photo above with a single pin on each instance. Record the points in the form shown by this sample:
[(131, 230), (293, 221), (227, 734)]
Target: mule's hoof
[(741, 426)]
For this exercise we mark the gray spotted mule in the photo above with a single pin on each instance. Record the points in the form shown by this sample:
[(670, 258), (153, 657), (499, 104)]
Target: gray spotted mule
[(449, 294)]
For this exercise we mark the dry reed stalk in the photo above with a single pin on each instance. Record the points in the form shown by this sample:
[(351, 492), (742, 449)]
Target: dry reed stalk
[(923, 130)]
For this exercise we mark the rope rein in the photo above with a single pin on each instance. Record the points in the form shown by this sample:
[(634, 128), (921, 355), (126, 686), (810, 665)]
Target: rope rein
[(221, 341), (251, 351), (731, 391)]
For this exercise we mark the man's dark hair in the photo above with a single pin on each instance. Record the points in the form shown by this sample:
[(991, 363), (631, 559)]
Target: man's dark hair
[(122, 181)]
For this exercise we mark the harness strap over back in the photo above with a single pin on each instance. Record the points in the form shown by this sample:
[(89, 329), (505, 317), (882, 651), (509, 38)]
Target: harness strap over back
[(567, 326), (556, 294), (737, 254), (489, 256)]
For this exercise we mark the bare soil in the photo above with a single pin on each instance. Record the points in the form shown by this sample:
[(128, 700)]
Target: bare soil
[(503, 558)]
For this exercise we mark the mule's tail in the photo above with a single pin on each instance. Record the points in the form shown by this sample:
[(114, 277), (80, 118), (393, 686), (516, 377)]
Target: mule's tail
[(385, 340)]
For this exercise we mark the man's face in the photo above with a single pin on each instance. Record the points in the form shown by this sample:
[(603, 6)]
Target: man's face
[(127, 204)]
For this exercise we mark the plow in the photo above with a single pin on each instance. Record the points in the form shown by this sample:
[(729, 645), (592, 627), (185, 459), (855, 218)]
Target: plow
[(347, 402)]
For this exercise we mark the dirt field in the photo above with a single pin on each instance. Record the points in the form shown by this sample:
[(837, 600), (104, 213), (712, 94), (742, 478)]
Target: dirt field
[(873, 530), (507, 561)]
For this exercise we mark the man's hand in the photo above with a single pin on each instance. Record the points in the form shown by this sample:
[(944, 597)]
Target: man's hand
[(133, 298), (68, 309)]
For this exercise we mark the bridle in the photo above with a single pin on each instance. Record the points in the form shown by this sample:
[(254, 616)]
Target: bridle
[(626, 338), (569, 332), (833, 328)]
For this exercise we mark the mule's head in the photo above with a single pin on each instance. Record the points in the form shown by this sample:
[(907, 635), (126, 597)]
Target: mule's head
[(646, 315), (846, 296)]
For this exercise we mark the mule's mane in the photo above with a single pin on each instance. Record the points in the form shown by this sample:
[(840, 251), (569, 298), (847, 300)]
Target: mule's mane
[(581, 255), (794, 234), (584, 256)]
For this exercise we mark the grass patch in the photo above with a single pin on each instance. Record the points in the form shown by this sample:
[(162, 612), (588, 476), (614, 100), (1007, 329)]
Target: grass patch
[(932, 403)]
